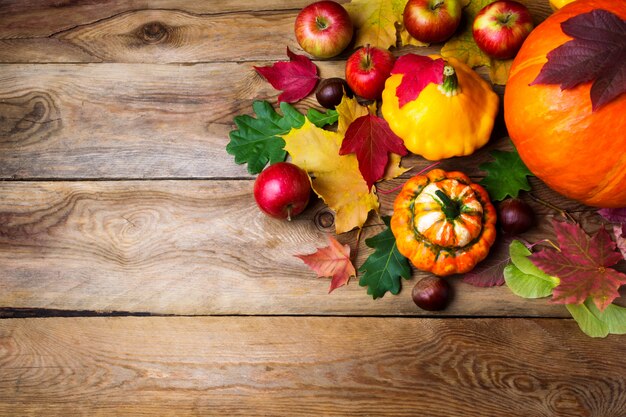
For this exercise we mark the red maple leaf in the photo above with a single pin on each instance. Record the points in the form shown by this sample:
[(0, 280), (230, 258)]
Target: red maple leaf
[(371, 139), (331, 261), (597, 54), (418, 71), (582, 265), (296, 77)]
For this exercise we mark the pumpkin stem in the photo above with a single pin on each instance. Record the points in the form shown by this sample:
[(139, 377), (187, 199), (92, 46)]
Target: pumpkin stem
[(450, 86), (450, 208)]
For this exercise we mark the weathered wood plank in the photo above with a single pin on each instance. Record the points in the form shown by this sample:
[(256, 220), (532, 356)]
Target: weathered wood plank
[(194, 247), (122, 120), (43, 18), (137, 120), (307, 367), (169, 31)]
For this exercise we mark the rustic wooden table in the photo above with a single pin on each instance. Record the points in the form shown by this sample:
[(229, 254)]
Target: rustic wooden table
[(137, 276)]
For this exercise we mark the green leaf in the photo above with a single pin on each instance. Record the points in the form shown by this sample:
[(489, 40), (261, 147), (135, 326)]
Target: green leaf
[(506, 175), (590, 324), (613, 315), (523, 278), (293, 117), (383, 268), (256, 141), (320, 119), (519, 256), (526, 285)]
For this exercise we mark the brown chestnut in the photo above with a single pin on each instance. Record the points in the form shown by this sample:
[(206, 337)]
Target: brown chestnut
[(515, 216), (431, 293), (330, 92)]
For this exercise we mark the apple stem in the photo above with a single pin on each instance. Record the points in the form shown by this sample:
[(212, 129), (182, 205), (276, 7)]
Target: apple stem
[(450, 85), (368, 58), (321, 23), (289, 207)]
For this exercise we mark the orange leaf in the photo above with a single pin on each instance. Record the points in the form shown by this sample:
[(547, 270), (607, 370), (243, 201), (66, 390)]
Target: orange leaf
[(331, 261)]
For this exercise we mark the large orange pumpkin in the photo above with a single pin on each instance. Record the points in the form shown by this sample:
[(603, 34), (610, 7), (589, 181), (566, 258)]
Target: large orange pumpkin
[(580, 154)]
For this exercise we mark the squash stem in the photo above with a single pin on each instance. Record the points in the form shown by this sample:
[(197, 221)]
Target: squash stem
[(450, 85), (450, 208)]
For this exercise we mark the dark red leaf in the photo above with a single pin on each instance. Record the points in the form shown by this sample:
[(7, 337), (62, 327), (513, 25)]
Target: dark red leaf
[(296, 78), (582, 265), (597, 53), (615, 215), (490, 272), (418, 71), (619, 232), (371, 139)]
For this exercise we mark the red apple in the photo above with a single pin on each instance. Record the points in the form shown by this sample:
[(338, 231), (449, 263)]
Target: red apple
[(282, 190), (323, 29), (432, 21), (367, 69), (500, 28)]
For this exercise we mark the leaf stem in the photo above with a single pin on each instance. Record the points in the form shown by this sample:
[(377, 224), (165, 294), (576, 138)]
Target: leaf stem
[(428, 168), (553, 207)]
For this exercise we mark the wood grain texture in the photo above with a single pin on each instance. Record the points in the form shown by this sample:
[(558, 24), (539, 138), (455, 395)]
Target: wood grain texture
[(193, 247), (160, 32), (139, 120), (157, 32), (308, 367), (122, 120)]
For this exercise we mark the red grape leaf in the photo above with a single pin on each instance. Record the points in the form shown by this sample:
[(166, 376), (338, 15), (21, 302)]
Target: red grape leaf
[(296, 77), (331, 261), (371, 139), (582, 265), (614, 215), (418, 71), (597, 53), (490, 272)]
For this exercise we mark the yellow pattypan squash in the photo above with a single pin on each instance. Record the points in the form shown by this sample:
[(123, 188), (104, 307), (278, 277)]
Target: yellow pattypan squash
[(557, 4), (439, 108)]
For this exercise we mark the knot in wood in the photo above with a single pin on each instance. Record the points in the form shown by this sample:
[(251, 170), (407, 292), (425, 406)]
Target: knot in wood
[(154, 32), (324, 220)]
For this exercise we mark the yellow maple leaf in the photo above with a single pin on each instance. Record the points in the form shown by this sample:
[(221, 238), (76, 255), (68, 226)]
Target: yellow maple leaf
[(335, 178), (349, 110), (393, 168), (377, 21), (463, 47)]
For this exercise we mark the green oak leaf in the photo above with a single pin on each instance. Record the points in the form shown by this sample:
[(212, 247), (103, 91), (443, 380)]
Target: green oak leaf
[(383, 268), (523, 278), (257, 141), (506, 175), (320, 119)]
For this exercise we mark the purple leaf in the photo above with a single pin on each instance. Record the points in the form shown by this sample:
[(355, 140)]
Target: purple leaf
[(614, 215), (597, 53), (490, 272)]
